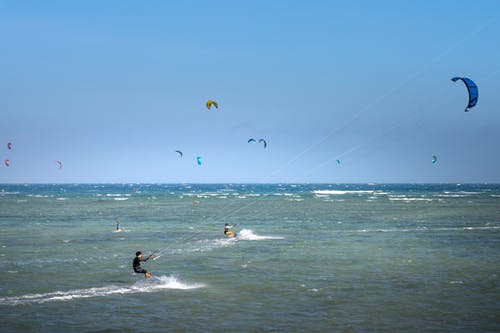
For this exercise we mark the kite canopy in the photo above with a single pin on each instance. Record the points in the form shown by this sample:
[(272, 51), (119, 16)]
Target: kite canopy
[(198, 160), (251, 140), (338, 161), (264, 142), (473, 91), (9, 145), (7, 162), (434, 159), (59, 164), (211, 102), (179, 152)]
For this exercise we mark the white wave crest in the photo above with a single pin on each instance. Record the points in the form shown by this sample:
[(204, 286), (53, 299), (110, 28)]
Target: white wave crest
[(153, 285), (338, 192)]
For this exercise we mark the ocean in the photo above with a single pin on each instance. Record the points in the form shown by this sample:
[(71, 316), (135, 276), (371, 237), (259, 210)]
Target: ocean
[(307, 258)]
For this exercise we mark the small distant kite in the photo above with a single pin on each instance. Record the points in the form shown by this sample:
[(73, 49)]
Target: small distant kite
[(251, 140), (198, 160), (7, 162), (179, 152), (338, 161), (212, 102), (473, 91), (59, 164), (9, 145), (434, 159), (264, 142)]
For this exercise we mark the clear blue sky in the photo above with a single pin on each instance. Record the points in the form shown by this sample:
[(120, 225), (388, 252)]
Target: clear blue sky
[(113, 88)]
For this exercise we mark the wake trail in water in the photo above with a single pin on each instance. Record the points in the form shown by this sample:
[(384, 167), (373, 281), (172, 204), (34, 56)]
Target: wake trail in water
[(247, 234), (212, 244), (154, 285)]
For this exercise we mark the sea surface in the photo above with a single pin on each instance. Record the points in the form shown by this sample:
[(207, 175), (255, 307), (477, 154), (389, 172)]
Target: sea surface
[(308, 258)]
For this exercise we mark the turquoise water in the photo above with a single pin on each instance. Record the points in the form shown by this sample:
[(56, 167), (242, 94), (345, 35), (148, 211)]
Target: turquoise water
[(308, 258)]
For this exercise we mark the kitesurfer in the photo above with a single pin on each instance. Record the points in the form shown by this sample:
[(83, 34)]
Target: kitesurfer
[(137, 264), (118, 225), (228, 232)]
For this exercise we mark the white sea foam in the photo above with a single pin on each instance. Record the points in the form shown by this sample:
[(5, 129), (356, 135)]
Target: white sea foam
[(10, 193), (456, 282), (120, 199), (248, 234), (463, 192), (410, 199), (339, 192), (153, 285)]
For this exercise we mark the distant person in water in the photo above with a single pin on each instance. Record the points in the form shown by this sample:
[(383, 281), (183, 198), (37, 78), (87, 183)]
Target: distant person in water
[(228, 232), (137, 264), (118, 226)]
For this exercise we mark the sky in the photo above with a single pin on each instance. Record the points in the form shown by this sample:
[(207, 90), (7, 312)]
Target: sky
[(113, 88)]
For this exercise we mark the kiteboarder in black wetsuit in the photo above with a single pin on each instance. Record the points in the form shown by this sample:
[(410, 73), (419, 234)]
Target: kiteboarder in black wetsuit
[(137, 264)]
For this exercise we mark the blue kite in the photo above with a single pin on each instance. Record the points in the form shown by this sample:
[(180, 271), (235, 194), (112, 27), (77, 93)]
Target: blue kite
[(473, 91)]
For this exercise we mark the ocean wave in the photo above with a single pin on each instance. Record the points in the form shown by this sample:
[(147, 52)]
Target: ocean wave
[(419, 229), (339, 192), (153, 285), (410, 199), (8, 193), (463, 192)]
